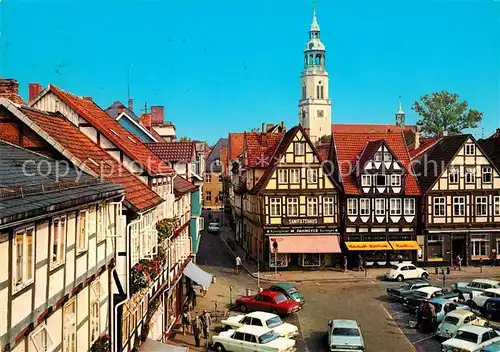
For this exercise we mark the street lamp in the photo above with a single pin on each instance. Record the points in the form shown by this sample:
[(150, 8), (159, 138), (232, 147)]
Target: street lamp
[(275, 250)]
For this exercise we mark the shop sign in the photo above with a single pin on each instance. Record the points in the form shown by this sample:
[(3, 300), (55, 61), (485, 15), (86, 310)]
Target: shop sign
[(283, 231), (375, 237), (354, 238), (400, 237), (302, 221)]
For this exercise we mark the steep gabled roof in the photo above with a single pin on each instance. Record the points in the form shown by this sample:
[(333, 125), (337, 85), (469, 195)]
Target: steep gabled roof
[(89, 156), (260, 147), (235, 145), (370, 128), (112, 130), (348, 147), (425, 144), (214, 160), (430, 164), (183, 186), (173, 151), (115, 110), (367, 154), (491, 147)]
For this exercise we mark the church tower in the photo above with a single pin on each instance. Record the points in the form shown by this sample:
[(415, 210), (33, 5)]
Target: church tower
[(315, 110)]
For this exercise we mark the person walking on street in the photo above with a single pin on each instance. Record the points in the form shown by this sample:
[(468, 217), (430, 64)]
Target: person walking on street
[(360, 262), (345, 264), (459, 262), (196, 325), (238, 264), (192, 298), (400, 259), (186, 320), (206, 323)]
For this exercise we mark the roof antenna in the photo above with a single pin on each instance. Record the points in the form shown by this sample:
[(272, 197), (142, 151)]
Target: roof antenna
[(145, 109), (128, 79)]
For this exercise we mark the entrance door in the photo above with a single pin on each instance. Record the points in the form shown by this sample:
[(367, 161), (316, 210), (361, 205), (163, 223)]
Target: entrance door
[(458, 247)]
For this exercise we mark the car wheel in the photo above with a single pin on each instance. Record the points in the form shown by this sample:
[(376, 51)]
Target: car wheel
[(400, 278), (219, 348), (425, 276), (243, 308)]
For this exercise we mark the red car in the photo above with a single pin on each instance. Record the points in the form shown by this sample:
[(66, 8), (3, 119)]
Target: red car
[(268, 301)]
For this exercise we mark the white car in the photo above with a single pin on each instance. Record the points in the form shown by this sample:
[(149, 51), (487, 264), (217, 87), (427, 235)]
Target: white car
[(345, 335), (479, 300), (267, 320), (454, 320), (471, 338), (213, 227), (403, 271), (250, 338)]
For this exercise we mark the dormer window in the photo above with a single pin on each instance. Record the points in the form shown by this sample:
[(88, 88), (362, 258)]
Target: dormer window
[(377, 156), (366, 180), (470, 149), (387, 156), (380, 180)]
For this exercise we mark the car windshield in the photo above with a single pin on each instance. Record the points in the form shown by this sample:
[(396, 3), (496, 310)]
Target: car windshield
[(394, 267), (466, 336), (274, 322), (405, 286), (280, 298), (268, 337), (345, 332), (214, 224), (451, 320)]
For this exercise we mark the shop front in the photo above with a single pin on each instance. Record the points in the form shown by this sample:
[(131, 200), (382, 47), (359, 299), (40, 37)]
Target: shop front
[(306, 251)]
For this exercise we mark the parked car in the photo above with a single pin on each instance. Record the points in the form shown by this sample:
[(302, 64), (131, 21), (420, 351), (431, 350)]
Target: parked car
[(250, 338), (289, 291), (424, 293), (345, 335), (471, 338), (404, 271), (407, 288), (443, 306), (491, 309), (267, 320), (478, 301), (455, 320), (491, 348), (268, 301), (476, 285), (213, 227)]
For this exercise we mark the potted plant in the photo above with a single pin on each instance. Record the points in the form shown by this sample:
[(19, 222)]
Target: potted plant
[(102, 344)]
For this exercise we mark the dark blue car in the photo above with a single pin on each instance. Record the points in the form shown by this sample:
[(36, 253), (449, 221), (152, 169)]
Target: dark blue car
[(491, 309)]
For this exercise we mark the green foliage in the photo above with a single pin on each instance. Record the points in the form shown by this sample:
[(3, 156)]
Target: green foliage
[(185, 139), (102, 344), (442, 111), (166, 228)]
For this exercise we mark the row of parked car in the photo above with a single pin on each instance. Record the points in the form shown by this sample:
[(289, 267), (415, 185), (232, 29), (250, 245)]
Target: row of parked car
[(260, 327), (457, 321)]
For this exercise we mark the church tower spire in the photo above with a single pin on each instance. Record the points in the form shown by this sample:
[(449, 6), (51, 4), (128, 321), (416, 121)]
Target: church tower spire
[(314, 104), (400, 115)]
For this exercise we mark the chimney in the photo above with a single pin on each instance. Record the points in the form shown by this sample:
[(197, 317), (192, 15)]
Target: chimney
[(145, 120), (131, 105), (9, 89), (263, 127), (34, 90), (157, 115), (417, 139)]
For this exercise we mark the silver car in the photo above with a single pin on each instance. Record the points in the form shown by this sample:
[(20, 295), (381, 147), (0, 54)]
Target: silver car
[(345, 335)]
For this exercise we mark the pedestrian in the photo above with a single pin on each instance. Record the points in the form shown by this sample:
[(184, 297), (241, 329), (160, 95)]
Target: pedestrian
[(203, 291), (192, 297), (400, 259), (459, 262), (186, 320), (206, 323), (432, 315), (461, 297), (345, 264), (196, 325), (238, 264), (360, 262)]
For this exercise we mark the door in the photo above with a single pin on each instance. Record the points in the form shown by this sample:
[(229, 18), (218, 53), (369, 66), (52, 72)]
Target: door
[(250, 344), (237, 342), (412, 272), (256, 303), (458, 247)]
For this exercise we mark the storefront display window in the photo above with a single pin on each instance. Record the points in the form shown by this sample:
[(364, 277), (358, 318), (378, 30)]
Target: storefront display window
[(435, 248), (281, 260), (480, 246), (405, 255), (379, 257), (310, 259)]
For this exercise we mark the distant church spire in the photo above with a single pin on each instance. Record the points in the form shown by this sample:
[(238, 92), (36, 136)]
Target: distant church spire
[(400, 115)]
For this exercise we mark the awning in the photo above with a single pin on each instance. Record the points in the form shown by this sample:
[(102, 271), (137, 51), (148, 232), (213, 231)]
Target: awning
[(198, 275), (369, 246), (305, 244), (155, 346), (404, 245)]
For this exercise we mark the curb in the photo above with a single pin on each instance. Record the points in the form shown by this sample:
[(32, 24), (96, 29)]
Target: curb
[(234, 256)]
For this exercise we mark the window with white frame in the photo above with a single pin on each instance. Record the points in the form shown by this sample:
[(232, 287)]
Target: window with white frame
[(82, 231), (395, 206), (480, 245), (312, 175), (275, 206), (364, 206), (69, 327), (366, 180), (352, 206), (312, 206), (282, 175), (453, 175), (439, 206), (470, 149), (42, 340), (299, 148), (377, 156), (95, 306), (387, 156), (380, 180), (328, 206), (23, 254), (292, 205), (208, 196), (487, 174), (379, 206), (409, 206), (395, 180), (208, 178), (101, 222), (294, 175), (470, 175), (482, 206), (459, 206), (58, 241), (496, 205)]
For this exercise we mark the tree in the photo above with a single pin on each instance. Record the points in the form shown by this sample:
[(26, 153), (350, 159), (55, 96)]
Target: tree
[(185, 139), (443, 112)]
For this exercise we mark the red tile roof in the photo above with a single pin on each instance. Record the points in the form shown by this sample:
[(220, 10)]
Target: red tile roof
[(369, 128), (349, 146), (113, 131), (183, 186), (235, 145), (224, 160), (173, 151), (138, 194), (260, 148), (424, 144)]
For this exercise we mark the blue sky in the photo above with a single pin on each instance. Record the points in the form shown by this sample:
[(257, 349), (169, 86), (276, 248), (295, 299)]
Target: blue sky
[(224, 65)]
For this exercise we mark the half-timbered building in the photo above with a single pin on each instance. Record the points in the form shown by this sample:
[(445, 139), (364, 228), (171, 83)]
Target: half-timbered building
[(57, 239), (291, 211), (461, 201), (381, 195)]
